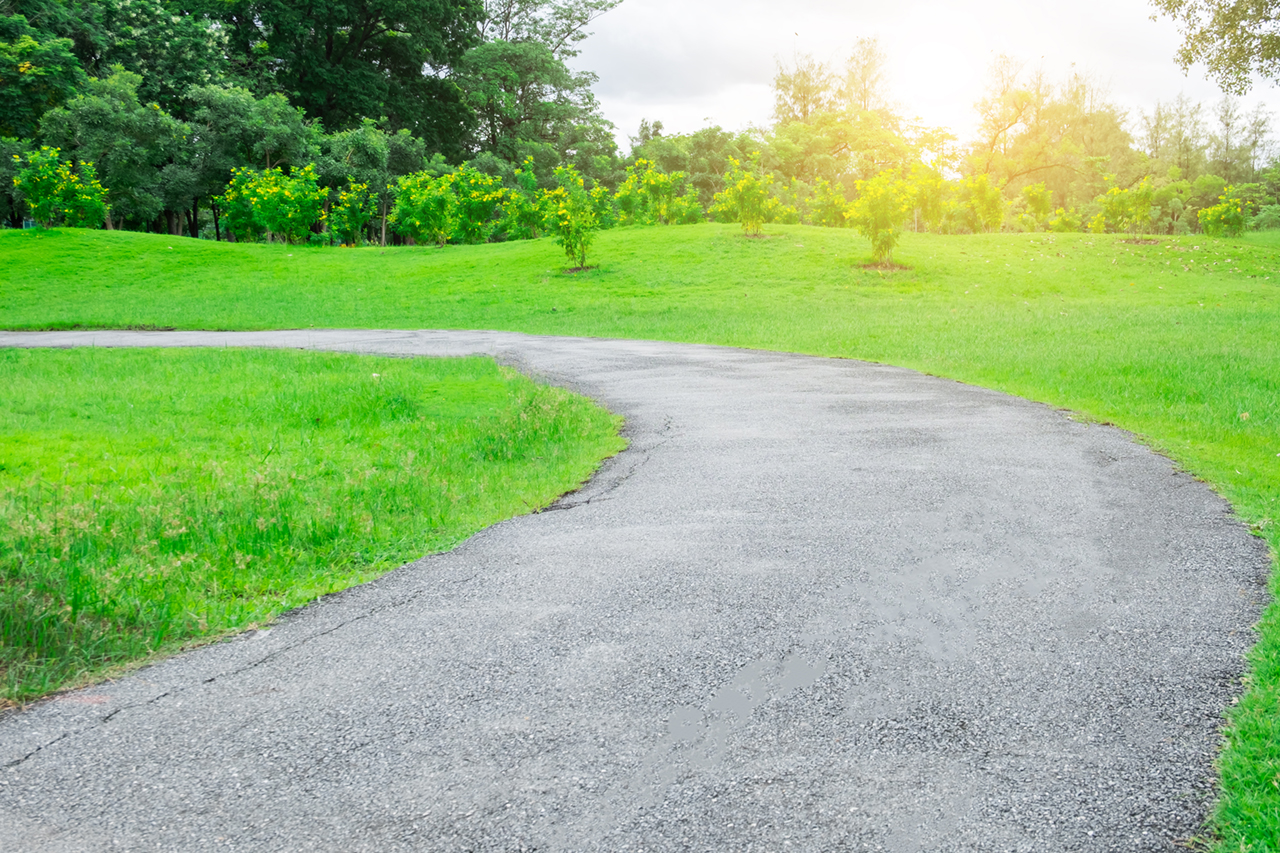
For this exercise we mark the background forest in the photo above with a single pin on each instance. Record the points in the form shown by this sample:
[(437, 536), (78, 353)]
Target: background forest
[(431, 121)]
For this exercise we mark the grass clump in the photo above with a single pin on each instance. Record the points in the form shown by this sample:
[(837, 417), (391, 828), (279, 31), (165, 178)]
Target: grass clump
[(151, 498)]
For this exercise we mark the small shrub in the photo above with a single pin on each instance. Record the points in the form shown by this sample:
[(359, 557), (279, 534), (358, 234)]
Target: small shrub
[(1224, 219), (883, 206), (425, 208), (478, 197), (349, 217), (571, 215), (745, 198)]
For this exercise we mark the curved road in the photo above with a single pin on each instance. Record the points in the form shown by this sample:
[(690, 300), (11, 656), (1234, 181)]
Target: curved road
[(817, 605)]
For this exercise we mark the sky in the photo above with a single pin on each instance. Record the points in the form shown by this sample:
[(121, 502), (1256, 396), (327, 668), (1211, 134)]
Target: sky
[(693, 63)]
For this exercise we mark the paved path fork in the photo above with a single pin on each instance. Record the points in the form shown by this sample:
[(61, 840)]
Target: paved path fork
[(816, 605)]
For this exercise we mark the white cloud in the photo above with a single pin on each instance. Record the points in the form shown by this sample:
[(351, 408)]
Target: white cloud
[(685, 62)]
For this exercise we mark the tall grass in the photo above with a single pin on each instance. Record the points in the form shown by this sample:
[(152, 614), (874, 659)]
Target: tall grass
[(148, 498)]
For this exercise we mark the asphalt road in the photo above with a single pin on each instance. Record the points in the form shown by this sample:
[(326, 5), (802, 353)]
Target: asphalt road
[(816, 605)]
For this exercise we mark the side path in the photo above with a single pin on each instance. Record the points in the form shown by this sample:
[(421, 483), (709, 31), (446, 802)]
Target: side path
[(817, 605)]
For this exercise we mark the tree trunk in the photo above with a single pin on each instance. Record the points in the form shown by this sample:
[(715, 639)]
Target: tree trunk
[(194, 220), (383, 205), (217, 232)]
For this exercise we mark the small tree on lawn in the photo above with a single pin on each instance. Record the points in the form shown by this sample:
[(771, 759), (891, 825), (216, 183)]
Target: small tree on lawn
[(571, 215), (425, 208), (884, 204), (746, 197)]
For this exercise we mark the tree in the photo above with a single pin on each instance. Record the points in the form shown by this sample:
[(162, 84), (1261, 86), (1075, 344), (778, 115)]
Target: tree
[(803, 90), (1225, 219), (171, 47), (864, 86), (425, 207), (980, 203), (37, 72), (883, 206), (1234, 39), (351, 213), (520, 92), (345, 60), (128, 141), (746, 198), (362, 156), (273, 203), (571, 215), (558, 26)]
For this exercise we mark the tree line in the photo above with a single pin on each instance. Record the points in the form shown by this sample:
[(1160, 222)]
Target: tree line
[(165, 98), (204, 118)]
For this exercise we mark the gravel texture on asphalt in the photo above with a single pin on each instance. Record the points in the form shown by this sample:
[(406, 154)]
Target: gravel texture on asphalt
[(818, 604)]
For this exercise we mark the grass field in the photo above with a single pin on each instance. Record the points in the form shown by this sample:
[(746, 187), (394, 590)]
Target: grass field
[(150, 498), (1176, 341)]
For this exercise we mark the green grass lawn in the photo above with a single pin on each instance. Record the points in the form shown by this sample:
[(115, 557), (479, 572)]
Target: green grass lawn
[(152, 497), (1177, 341)]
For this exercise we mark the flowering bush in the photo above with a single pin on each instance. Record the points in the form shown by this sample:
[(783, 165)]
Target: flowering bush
[(829, 205), (273, 203), (745, 198), (522, 212), (650, 196), (83, 198), (571, 215), (425, 208), (883, 206), (1226, 218), (478, 197), (54, 191), (352, 213)]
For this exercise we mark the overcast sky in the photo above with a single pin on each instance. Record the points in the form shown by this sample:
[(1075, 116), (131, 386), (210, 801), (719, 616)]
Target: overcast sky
[(690, 63)]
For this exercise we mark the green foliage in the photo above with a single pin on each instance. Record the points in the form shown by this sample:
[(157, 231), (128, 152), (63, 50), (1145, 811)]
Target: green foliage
[(1039, 203), (829, 207), (931, 191), (571, 215), (352, 212), (425, 207), (746, 197), (522, 209), (55, 192), (980, 204), (478, 198), (521, 92), (82, 196), (884, 204), (1224, 219), (39, 184), (37, 72), (650, 196), (129, 142), (170, 48), (1065, 221), (272, 203), (346, 60), (1128, 209), (1234, 40), (1267, 218)]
